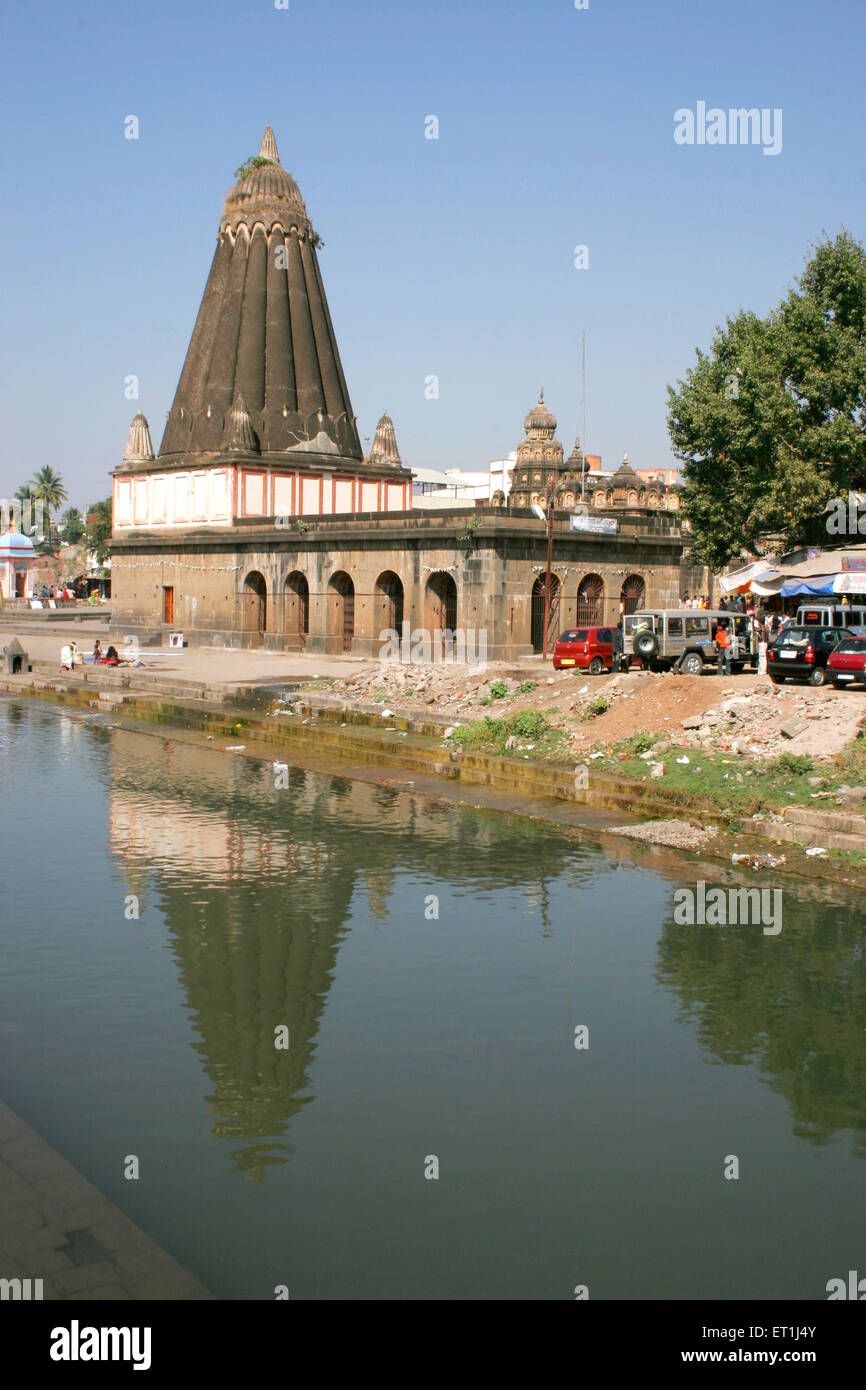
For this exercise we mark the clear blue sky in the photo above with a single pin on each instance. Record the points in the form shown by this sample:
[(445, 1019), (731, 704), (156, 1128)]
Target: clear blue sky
[(451, 257)]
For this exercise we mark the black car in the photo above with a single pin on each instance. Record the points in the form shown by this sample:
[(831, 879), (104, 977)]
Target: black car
[(802, 653)]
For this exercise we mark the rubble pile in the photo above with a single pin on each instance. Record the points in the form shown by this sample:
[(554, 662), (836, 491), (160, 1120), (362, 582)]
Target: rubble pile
[(764, 723), (455, 688), (744, 716)]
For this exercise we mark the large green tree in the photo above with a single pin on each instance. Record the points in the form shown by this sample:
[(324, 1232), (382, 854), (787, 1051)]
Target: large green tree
[(771, 422)]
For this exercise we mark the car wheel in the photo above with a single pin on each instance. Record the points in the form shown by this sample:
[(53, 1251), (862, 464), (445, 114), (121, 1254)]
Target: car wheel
[(646, 644), (692, 664), (818, 676), (778, 680), (596, 666)]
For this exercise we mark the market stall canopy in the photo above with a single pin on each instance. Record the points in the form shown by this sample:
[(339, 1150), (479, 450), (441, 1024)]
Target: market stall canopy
[(816, 584), (741, 578), (767, 585)]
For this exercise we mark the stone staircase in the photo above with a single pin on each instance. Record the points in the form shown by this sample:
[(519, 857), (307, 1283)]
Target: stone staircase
[(805, 825)]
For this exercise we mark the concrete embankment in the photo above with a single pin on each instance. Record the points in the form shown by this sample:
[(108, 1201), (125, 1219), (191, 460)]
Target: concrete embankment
[(58, 1229), (326, 732)]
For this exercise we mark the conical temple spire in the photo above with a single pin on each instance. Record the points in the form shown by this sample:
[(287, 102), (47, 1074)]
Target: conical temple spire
[(384, 450), (264, 331), (138, 449), (268, 147), (239, 433)]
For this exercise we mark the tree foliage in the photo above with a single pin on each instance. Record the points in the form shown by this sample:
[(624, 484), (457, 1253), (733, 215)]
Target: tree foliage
[(771, 422), (99, 529), (72, 526)]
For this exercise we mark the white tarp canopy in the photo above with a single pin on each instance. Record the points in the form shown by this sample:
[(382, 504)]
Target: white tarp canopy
[(769, 587), (729, 582)]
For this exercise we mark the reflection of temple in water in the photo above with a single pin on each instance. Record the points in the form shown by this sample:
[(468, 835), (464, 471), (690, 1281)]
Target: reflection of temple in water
[(256, 886)]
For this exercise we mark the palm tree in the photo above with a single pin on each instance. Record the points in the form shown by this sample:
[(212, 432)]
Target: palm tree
[(30, 514), (48, 488)]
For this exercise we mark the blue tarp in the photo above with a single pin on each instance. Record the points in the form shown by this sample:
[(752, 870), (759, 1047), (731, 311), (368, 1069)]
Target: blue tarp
[(818, 584)]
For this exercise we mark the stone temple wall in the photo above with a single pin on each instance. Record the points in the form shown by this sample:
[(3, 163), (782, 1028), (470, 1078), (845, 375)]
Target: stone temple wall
[(348, 582)]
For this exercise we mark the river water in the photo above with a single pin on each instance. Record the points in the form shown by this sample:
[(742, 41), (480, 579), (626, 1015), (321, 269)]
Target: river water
[(430, 964)]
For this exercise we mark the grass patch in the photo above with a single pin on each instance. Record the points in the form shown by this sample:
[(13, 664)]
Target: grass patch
[(595, 708), (639, 743), (796, 763), (526, 687), (527, 726)]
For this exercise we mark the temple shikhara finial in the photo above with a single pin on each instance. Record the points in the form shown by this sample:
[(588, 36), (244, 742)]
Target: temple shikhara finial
[(239, 433), (384, 450), (268, 147), (138, 446)]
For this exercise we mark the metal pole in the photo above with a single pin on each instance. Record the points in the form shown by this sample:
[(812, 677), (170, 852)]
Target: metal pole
[(547, 574), (583, 410)]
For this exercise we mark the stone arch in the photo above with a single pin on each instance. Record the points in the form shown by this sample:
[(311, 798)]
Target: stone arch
[(536, 634), (633, 594), (254, 608), (388, 603), (296, 607), (440, 602), (341, 609), (590, 601)]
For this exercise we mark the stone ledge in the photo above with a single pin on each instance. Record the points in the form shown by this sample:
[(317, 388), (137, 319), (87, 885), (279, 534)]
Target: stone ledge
[(63, 1230)]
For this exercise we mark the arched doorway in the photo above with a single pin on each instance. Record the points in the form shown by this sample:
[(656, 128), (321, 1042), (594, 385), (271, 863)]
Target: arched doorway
[(296, 608), (441, 602), (590, 601), (388, 603), (537, 616), (254, 601), (341, 609), (633, 594)]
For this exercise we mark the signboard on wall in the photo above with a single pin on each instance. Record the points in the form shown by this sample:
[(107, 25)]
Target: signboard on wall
[(849, 584), (599, 525)]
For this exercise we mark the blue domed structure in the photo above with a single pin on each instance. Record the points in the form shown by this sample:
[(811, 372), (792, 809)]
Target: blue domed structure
[(17, 557)]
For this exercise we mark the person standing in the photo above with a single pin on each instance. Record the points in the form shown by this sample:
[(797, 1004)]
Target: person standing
[(723, 650), (616, 642)]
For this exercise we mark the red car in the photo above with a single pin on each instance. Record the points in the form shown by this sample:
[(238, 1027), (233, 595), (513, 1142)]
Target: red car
[(847, 662), (586, 648)]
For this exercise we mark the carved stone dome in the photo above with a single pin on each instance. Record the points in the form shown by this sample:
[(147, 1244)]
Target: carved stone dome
[(539, 423), (266, 193)]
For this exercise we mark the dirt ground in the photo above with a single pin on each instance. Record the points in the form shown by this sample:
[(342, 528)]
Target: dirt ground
[(743, 714)]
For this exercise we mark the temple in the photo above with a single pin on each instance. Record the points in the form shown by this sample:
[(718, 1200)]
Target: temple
[(261, 423), (261, 523)]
